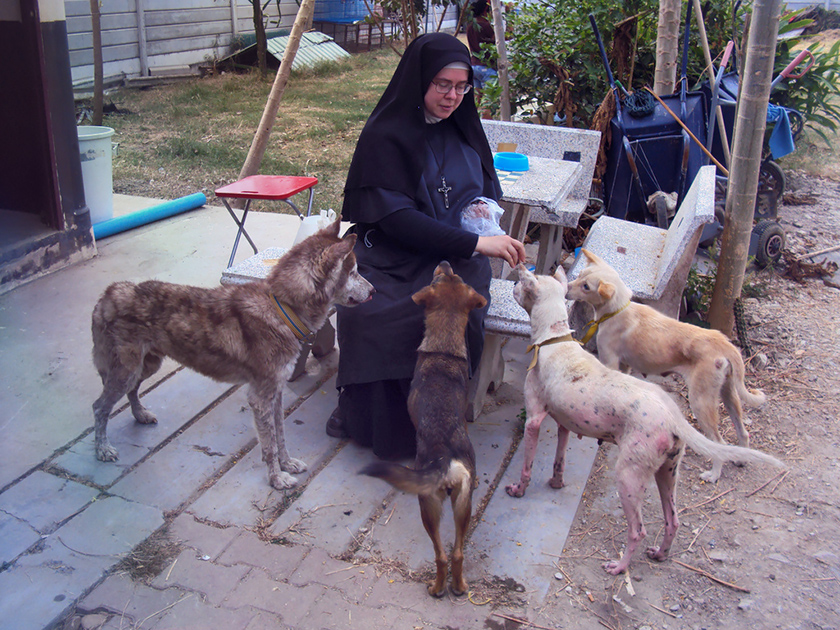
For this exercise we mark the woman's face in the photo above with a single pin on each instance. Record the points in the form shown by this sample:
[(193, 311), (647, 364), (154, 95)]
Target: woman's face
[(442, 105)]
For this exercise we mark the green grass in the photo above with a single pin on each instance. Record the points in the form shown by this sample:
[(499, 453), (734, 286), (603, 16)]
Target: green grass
[(194, 136)]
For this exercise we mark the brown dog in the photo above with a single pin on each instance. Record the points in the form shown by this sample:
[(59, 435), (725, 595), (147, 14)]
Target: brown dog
[(586, 397), (437, 403), (642, 338), (250, 333)]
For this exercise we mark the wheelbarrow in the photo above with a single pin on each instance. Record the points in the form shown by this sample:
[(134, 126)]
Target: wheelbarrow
[(650, 151)]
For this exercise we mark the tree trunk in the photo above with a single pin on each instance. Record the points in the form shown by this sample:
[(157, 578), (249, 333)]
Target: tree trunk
[(259, 32), (98, 79), (667, 45), (750, 122), (257, 150), (502, 65)]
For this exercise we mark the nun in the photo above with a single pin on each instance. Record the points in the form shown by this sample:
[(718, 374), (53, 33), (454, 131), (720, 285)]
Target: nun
[(421, 158)]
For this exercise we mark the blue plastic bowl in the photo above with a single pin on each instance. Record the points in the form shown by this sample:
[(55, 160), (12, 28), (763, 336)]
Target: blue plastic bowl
[(505, 161)]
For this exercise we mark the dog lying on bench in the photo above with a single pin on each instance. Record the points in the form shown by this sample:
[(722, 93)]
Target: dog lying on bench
[(585, 397), (642, 338), (437, 403), (247, 333)]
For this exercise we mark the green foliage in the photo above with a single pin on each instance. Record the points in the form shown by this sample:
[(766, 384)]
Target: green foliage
[(700, 285), (815, 95), (558, 32)]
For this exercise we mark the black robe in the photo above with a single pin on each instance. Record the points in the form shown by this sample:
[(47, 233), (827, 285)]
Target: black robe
[(404, 230)]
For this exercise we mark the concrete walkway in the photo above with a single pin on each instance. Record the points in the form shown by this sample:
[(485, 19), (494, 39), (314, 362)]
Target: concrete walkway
[(184, 530)]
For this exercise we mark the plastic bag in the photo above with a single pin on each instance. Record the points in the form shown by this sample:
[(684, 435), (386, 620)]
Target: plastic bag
[(482, 217), (313, 223)]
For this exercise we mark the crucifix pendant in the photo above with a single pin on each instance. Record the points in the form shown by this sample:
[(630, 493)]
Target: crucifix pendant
[(444, 190)]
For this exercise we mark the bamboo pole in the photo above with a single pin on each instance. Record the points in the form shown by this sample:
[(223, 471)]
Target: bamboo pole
[(710, 68), (502, 64), (257, 150)]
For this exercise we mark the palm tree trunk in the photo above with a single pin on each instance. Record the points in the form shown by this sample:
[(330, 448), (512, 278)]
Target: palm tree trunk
[(667, 45), (750, 122)]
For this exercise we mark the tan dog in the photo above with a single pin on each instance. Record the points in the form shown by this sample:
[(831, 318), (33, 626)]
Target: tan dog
[(249, 333), (585, 397), (649, 342), (437, 403)]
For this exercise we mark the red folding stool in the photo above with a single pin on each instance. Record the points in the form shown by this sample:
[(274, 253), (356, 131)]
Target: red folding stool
[(269, 187)]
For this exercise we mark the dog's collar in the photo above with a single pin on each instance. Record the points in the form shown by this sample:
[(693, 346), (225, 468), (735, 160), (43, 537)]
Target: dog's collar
[(592, 325), (291, 319), (536, 347)]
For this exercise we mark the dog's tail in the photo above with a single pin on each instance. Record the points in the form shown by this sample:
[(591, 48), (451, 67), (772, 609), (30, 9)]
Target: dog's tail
[(735, 376), (702, 445), (447, 474)]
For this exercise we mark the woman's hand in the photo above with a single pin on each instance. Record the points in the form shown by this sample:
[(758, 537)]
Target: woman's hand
[(502, 246)]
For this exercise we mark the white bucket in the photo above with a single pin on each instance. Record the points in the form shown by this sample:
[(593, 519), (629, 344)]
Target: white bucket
[(97, 174)]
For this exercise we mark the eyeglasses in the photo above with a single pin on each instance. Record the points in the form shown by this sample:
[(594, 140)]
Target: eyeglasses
[(443, 87)]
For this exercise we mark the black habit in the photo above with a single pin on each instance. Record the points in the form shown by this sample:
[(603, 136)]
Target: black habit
[(407, 185)]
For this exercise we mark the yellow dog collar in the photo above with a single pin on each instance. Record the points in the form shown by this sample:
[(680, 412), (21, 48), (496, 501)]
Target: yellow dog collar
[(536, 347), (592, 325)]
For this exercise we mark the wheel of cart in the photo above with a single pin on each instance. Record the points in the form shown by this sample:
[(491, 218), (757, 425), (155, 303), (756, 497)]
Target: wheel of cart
[(767, 241)]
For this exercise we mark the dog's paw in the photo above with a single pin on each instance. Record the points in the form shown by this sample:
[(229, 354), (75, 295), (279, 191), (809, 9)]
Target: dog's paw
[(144, 416), (282, 481), (556, 483), (710, 476), (516, 490), (435, 590), (615, 567), (656, 553), (292, 465), (459, 589), (106, 453)]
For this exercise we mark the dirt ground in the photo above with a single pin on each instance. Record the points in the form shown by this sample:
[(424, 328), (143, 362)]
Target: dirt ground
[(761, 548)]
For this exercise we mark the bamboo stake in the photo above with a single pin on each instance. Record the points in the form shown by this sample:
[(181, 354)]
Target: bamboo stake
[(722, 168), (258, 146)]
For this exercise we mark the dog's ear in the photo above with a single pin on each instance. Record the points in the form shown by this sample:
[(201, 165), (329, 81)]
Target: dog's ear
[(334, 228), (333, 254), (590, 257), (606, 290), (478, 300), (423, 295)]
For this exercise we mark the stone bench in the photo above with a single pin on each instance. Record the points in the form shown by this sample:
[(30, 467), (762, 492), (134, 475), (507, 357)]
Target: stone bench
[(556, 143), (257, 267), (653, 262)]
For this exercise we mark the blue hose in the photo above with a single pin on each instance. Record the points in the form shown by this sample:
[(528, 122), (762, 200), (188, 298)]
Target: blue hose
[(149, 215)]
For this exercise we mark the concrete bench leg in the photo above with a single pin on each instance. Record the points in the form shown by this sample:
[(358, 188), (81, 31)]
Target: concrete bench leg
[(321, 345), (551, 247), (490, 374)]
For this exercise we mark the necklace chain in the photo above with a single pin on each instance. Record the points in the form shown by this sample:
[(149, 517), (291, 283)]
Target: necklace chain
[(444, 189)]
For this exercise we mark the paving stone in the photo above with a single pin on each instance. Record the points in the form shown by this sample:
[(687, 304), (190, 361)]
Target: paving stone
[(514, 534), (257, 589), (192, 614), (46, 584), (279, 561), (354, 581), (243, 497), (109, 527), (213, 581), (331, 612), (132, 602), (336, 503), (44, 500), (175, 402), (172, 474), (399, 533), (206, 540), (264, 620), (16, 536)]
